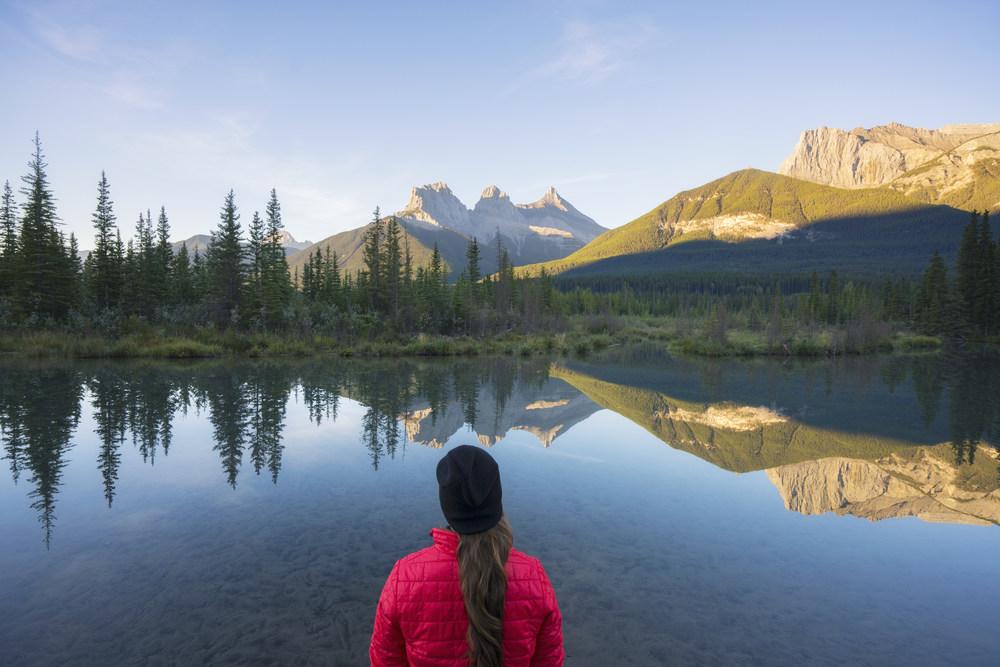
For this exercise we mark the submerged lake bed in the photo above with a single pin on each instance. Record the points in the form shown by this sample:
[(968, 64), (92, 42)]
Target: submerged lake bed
[(686, 511)]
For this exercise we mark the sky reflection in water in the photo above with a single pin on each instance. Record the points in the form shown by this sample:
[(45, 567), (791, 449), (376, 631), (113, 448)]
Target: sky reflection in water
[(656, 555)]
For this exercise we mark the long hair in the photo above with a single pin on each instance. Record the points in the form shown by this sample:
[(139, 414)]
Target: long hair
[(481, 561)]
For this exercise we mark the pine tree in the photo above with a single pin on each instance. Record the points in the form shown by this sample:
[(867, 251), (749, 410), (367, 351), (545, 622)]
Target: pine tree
[(987, 288), (276, 284), (8, 241), (474, 272), (104, 271), (969, 269), (259, 255), (144, 288), (43, 271), (162, 263), (934, 307), (372, 254), (224, 264), (182, 278), (393, 266)]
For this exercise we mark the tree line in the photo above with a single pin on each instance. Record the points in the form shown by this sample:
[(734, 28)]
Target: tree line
[(239, 282), (969, 302)]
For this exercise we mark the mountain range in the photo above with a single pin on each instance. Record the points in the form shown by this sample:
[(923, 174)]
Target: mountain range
[(548, 229), (198, 243), (868, 202)]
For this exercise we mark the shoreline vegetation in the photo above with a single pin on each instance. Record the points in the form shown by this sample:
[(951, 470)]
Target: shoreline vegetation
[(578, 335)]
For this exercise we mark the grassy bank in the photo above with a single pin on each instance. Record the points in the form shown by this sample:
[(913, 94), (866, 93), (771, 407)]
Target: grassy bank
[(576, 336)]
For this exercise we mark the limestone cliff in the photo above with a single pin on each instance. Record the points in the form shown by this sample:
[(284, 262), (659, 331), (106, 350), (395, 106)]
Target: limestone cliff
[(925, 485), (864, 158)]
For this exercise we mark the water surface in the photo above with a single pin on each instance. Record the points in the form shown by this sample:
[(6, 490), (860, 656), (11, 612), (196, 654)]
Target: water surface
[(249, 512)]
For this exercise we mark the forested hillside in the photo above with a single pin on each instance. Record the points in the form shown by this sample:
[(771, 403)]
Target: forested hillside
[(754, 221)]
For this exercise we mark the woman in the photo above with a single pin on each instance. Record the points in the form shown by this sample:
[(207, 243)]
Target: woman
[(471, 599)]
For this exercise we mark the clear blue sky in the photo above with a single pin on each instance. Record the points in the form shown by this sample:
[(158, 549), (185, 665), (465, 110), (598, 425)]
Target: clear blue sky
[(345, 106)]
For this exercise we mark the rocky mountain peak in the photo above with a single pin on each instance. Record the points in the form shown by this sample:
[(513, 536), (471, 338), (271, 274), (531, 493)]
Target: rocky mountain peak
[(493, 192), (864, 158), (550, 227), (436, 205)]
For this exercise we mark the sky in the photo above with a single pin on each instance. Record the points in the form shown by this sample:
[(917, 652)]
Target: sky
[(344, 106)]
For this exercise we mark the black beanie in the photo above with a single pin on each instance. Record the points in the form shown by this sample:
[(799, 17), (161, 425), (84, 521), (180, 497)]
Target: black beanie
[(470, 489)]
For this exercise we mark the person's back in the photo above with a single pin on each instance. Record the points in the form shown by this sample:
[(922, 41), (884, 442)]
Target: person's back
[(424, 613)]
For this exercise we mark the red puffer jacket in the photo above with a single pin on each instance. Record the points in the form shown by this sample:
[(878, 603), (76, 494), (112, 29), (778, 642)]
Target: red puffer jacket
[(421, 619)]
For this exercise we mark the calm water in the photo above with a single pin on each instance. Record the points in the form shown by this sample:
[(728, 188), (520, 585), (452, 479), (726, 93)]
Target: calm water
[(248, 513)]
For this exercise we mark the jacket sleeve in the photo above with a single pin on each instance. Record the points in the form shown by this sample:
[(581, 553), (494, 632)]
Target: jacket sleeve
[(388, 648), (549, 644)]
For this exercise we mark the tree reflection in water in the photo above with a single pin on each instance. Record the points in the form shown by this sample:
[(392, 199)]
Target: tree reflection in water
[(39, 411), (245, 401)]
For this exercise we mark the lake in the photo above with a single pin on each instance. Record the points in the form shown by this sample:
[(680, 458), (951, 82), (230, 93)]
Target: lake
[(688, 511)]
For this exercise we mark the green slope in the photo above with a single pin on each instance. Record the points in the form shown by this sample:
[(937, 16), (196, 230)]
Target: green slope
[(860, 231)]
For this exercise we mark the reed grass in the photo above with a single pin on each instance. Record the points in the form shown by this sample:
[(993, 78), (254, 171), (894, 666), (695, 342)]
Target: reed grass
[(583, 335)]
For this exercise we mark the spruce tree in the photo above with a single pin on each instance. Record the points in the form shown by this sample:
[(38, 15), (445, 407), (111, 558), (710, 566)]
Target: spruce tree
[(373, 257), (474, 272), (144, 289), (987, 286), (163, 256), (276, 285), (43, 272), (224, 263), (104, 271), (969, 269), (934, 307), (8, 241), (182, 278), (258, 252), (393, 266)]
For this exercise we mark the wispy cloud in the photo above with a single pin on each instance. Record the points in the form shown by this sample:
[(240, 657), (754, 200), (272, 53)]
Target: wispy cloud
[(588, 53), (79, 42), (106, 63)]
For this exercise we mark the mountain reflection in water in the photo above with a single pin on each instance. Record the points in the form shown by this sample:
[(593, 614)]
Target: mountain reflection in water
[(902, 435)]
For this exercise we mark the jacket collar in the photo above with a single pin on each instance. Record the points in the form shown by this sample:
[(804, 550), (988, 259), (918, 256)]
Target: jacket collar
[(445, 540)]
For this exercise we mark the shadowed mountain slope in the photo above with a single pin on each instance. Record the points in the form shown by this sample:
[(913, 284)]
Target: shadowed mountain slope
[(755, 220)]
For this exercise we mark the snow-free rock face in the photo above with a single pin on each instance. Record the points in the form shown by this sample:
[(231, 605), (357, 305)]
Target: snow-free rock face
[(870, 158), (436, 206), (549, 228), (545, 415), (891, 487)]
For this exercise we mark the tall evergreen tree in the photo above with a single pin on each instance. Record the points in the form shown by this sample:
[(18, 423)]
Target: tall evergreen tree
[(934, 307), (104, 270), (986, 287), (393, 266), (8, 241), (43, 268), (258, 256), (969, 269), (162, 261), (475, 273), (374, 260), (226, 271), (182, 278), (276, 285)]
